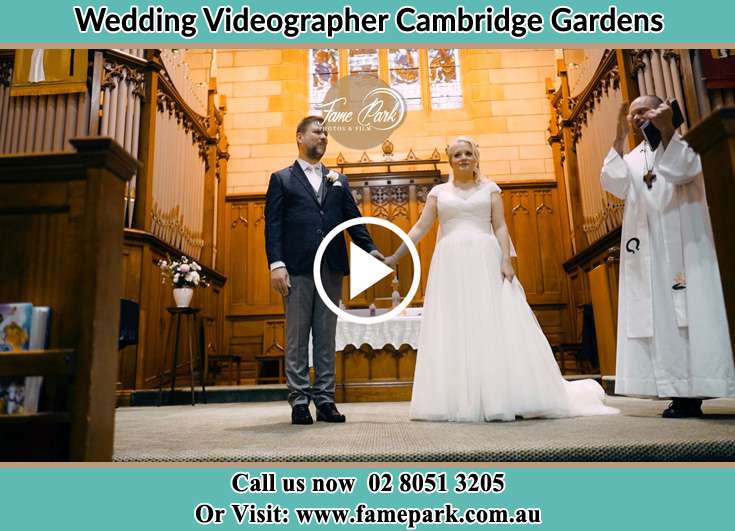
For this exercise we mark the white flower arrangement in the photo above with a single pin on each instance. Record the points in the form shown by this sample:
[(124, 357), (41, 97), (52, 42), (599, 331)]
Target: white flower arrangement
[(333, 178), (183, 273)]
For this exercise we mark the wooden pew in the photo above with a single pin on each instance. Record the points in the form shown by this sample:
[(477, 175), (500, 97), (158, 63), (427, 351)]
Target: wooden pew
[(61, 224)]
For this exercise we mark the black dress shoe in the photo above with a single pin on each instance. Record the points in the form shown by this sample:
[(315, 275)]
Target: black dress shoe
[(683, 408), (329, 413), (300, 414)]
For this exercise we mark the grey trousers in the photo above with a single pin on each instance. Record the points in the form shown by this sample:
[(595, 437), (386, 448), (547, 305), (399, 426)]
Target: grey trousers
[(306, 312)]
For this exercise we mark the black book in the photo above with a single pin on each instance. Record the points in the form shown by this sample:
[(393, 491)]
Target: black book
[(653, 135)]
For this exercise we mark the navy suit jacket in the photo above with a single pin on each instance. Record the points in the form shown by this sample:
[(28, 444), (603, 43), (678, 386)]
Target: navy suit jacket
[(296, 223)]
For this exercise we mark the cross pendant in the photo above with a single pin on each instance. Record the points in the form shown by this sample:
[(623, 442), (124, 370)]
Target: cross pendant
[(648, 178)]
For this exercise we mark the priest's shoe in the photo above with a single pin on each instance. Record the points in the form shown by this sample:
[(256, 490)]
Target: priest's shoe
[(683, 408), (300, 414), (329, 413)]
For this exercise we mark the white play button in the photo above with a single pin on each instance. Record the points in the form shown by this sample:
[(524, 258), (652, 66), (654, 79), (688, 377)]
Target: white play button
[(365, 270)]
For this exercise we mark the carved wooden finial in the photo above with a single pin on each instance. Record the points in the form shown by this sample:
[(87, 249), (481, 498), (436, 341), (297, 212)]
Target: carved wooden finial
[(387, 148)]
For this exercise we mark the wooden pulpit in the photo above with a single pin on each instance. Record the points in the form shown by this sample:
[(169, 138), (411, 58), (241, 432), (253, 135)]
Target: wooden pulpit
[(714, 140)]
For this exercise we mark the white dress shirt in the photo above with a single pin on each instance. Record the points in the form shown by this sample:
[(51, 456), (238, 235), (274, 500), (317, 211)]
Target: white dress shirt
[(313, 173)]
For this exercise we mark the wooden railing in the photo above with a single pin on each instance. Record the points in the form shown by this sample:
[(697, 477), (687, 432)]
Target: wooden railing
[(146, 102), (174, 202), (580, 125), (582, 128)]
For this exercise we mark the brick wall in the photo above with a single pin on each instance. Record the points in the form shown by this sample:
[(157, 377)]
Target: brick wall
[(505, 110)]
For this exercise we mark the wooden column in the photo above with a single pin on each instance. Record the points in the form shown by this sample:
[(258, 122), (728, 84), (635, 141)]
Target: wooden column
[(223, 156), (557, 152), (628, 89), (714, 140), (210, 178), (579, 241), (694, 106), (142, 218), (98, 284)]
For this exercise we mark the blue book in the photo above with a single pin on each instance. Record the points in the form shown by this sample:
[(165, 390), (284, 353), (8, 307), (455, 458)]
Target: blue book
[(39, 328), (39, 341), (15, 326)]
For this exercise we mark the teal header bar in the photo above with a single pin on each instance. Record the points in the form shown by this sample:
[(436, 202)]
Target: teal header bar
[(259, 23), (565, 498)]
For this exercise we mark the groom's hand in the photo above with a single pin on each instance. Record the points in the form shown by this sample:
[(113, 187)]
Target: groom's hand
[(377, 254), (280, 280)]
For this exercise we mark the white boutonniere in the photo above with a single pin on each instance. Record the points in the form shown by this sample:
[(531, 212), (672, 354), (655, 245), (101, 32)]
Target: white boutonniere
[(333, 178)]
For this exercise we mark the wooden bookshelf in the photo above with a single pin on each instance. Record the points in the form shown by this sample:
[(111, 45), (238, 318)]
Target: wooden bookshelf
[(63, 213), (43, 417), (38, 437), (42, 436), (55, 362)]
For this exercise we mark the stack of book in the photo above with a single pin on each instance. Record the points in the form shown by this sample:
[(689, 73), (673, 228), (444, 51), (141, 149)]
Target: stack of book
[(22, 327)]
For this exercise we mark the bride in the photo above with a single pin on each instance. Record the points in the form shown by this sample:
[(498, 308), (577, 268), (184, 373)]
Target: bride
[(482, 355)]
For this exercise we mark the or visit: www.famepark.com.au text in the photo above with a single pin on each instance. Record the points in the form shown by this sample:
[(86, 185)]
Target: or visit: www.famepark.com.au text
[(447, 514)]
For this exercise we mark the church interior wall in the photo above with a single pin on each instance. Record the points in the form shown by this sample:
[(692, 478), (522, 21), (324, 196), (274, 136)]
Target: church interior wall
[(505, 110)]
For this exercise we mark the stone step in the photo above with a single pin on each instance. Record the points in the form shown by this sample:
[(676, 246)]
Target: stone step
[(572, 377), (220, 394), (223, 394)]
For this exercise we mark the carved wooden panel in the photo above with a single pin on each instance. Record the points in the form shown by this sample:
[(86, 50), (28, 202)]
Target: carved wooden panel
[(604, 321), (154, 300), (258, 293), (248, 270), (548, 233), (533, 216), (553, 321), (384, 374), (521, 220), (535, 226), (356, 365), (140, 365), (593, 279), (247, 341), (401, 205), (390, 202), (131, 284), (33, 243), (239, 252)]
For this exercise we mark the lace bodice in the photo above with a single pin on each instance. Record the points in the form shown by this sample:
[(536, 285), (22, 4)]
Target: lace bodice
[(464, 210)]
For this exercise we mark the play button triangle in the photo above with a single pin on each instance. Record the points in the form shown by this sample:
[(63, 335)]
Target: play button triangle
[(365, 270)]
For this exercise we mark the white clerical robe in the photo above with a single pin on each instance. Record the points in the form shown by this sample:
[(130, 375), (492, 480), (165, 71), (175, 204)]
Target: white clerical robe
[(36, 73), (673, 336)]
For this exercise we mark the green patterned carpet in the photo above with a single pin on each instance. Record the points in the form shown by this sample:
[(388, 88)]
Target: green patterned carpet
[(381, 432)]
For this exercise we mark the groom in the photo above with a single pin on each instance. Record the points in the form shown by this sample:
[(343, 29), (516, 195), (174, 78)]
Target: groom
[(304, 202)]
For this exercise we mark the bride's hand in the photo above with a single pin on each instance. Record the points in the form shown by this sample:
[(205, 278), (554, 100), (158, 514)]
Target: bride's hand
[(390, 261), (507, 269)]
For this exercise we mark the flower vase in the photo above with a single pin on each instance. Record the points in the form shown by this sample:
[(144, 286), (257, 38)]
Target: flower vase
[(183, 296)]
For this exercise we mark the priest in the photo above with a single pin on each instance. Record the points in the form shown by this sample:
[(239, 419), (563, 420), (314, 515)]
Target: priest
[(673, 339)]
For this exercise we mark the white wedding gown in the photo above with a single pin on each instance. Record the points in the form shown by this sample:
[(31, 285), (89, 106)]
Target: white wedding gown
[(482, 355)]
